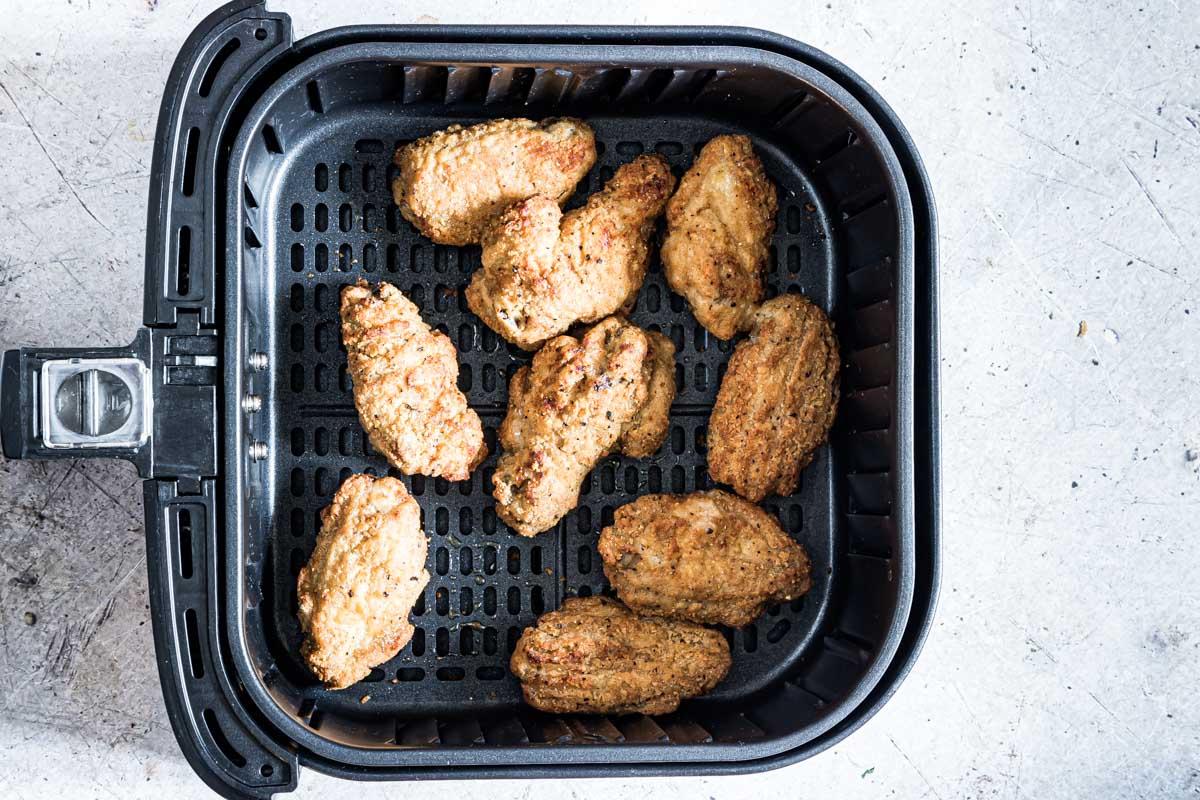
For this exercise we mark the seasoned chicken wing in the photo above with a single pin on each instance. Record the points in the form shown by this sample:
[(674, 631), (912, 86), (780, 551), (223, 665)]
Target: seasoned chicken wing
[(405, 385), (777, 400), (579, 401), (595, 656), (452, 182), (719, 226), (707, 557), (543, 271), (367, 570)]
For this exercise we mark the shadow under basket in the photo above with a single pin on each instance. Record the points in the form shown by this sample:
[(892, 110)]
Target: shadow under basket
[(271, 191)]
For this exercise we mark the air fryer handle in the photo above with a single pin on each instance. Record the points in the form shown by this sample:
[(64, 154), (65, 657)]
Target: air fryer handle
[(153, 402), (76, 402)]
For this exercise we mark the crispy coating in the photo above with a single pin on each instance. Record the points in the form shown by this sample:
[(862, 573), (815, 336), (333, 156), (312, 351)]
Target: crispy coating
[(575, 404), (708, 557), (367, 570), (452, 182), (595, 656), (405, 385), (719, 226), (777, 400), (543, 271), (648, 427)]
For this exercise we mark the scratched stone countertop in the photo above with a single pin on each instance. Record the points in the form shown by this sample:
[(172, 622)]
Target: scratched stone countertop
[(1063, 141)]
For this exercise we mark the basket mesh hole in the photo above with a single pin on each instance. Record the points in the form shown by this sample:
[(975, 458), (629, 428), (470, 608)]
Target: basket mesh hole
[(313, 92), (489, 601), (514, 600), (442, 642), (778, 630), (271, 140)]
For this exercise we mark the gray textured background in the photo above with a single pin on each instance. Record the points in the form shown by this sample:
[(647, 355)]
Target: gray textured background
[(1063, 142)]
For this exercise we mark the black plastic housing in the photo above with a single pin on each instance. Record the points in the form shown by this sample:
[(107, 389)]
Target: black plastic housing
[(242, 131)]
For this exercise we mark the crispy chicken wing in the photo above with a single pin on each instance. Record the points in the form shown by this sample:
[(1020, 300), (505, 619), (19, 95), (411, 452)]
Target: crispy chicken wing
[(777, 400), (707, 557), (579, 401), (543, 271), (452, 182), (595, 656), (405, 385), (366, 571), (719, 226)]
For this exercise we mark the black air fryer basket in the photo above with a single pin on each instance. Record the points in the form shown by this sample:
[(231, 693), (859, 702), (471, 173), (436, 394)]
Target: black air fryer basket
[(270, 191)]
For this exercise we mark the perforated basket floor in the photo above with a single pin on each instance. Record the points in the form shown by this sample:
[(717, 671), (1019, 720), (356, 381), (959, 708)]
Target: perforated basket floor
[(334, 222)]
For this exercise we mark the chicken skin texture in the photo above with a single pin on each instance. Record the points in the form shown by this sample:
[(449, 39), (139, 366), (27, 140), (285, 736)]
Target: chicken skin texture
[(405, 385), (595, 656), (367, 570), (719, 226), (777, 400), (544, 271), (709, 557), (453, 182), (579, 401)]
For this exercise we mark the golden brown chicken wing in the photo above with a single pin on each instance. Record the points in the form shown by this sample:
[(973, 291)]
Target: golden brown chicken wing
[(452, 182), (719, 226), (405, 385), (707, 557), (367, 570), (579, 401), (777, 400), (595, 656), (542, 271)]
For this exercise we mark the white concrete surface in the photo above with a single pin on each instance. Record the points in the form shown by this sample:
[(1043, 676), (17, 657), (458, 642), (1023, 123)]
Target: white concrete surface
[(1063, 139)]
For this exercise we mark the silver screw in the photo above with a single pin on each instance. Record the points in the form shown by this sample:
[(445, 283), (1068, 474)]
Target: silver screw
[(258, 451), (251, 403), (257, 361)]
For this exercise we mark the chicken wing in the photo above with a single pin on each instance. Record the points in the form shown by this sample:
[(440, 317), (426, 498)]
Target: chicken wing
[(405, 385), (543, 271), (452, 182), (367, 570), (708, 557), (595, 656), (579, 401), (719, 226), (777, 400)]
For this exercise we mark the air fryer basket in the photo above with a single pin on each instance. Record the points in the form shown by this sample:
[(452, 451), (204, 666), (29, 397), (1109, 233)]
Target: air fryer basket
[(311, 171), (271, 191)]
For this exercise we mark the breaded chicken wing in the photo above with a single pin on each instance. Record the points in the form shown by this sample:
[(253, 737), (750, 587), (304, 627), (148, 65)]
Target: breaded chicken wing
[(708, 557), (719, 226), (777, 400), (543, 271), (405, 385), (452, 182), (579, 401), (595, 656), (367, 570)]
